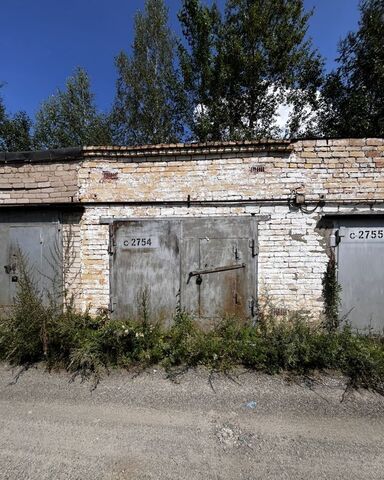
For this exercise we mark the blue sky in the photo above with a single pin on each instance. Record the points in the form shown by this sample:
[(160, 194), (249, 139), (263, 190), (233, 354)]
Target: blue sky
[(43, 41)]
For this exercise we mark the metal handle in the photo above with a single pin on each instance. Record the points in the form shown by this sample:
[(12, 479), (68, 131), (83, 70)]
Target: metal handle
[(198, 273)]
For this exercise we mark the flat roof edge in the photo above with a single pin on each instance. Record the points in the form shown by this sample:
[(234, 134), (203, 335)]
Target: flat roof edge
[(178, 149), (173, 149), (73, 153)]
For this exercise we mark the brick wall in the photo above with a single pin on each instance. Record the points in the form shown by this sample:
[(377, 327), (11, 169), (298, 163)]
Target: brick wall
[(72, 257), (336, 176), (341, 169), (293, 249), (43, 182)]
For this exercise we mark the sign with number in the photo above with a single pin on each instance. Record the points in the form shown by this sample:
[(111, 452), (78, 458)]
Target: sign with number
[(139, 242), (364, 234)]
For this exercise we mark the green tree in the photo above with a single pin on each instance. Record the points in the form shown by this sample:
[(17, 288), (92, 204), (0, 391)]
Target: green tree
[(202, 68), (149, 105), (14, 130), (70, 118), (353, 94), (240, 68)]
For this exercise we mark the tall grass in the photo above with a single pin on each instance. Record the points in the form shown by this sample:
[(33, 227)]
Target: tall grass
[(89, 345)]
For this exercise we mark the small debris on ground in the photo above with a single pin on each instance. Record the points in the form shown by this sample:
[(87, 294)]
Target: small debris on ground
[(230, 436)]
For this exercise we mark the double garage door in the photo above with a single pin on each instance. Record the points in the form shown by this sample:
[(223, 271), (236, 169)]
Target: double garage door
[(206, 265)]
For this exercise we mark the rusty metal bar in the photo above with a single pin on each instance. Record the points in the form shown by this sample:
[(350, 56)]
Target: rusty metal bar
[(225, 268)]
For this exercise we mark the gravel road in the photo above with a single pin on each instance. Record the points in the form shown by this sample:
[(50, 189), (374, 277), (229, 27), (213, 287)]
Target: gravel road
[(250, 426)]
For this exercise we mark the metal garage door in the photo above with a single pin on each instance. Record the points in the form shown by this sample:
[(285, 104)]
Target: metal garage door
[(39, 242), (360, 255), (219, 266), (146, 262), (206, 264)]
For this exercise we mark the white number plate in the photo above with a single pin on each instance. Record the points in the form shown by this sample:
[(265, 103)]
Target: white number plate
[(139, 242), (365, 234)]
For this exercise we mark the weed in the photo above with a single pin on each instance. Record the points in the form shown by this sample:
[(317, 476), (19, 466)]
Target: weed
[(23, 334), (88, 345), (331, 296)]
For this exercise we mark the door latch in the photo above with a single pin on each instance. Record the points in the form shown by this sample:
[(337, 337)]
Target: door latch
[(198, 273), (10, 268)]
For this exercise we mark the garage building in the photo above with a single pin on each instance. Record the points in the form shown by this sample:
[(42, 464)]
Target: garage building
[(212, 227)]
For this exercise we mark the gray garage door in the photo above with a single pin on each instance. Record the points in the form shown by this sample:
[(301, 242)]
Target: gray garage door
[(35, 241), (360, 255), (206, 264), (145, 266)]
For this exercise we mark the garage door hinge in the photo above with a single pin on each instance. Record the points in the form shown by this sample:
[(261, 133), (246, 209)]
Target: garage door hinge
[(254, 247), (252, 306), (112, 304), (112, 245), (336, 237)]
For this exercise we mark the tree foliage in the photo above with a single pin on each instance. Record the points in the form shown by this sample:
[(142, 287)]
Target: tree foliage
[(239, 69), (201, 67), (354, 93), (149, 105), (70, 118), (14, 130), (235, 70)]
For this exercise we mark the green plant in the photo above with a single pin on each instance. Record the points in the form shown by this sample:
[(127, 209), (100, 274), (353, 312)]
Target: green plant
[(23, 336), (362, 360), (182, 341), (331, 295), (89, 345)]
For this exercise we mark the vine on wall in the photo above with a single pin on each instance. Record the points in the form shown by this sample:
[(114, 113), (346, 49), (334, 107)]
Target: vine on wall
[(331, 295)]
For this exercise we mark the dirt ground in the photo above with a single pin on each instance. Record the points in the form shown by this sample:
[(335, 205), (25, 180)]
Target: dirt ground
[(249, 426)]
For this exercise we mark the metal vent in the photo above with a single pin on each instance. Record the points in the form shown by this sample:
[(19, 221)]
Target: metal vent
[(257, 168), (109, 176)]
